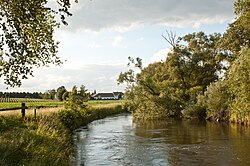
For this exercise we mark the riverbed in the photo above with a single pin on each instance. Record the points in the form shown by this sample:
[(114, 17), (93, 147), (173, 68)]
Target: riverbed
[(118, 141)]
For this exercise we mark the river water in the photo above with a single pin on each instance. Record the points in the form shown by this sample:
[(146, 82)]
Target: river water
[(118, 141)]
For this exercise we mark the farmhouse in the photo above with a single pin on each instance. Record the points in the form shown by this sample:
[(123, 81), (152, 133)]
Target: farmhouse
[(108, 96)]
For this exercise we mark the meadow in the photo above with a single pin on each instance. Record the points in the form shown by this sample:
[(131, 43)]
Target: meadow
[(16, 102), (48, 140)]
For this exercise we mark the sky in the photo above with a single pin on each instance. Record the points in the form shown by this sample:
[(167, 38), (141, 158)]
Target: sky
[(102, 34)]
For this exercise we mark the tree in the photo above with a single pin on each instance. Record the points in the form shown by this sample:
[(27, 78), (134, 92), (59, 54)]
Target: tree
[(166, 88), (239, 86), (65, 96), (52, 94), (236, 41), (237, 35), (83, 93), (26, 37), (75, 101), (46, 95), (59, 93), (216, 101)]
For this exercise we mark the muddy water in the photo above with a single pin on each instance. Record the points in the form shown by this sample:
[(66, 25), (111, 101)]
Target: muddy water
[(117, 141)]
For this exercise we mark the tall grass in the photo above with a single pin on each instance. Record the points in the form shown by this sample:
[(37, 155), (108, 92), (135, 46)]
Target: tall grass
[(75, 119), (48, 140), (27, 142)]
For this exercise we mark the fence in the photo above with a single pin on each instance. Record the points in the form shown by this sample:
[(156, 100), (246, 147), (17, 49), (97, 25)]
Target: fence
[(23, 108)]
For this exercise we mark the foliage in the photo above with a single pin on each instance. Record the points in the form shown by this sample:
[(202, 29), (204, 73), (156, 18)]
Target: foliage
[(76, 100), (74, 118), (34, 95), (237, 35), (26, 37), (164, 89), (83, 93), (49, 94), (59, 93), (203, 75), (216, 100), (229, 99), (65, 96), (239, 86), (194, 111)]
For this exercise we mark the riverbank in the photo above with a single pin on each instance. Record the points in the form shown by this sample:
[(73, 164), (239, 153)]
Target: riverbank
[(47, 140)]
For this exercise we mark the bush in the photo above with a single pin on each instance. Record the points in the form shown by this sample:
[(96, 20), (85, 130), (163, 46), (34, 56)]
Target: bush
[(216, 101), (194, 111), (73, 119)]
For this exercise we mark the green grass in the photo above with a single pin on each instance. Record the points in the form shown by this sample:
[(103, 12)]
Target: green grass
[(27, 142), (48, 140), (52, 103), (31, 104), (105, 101)]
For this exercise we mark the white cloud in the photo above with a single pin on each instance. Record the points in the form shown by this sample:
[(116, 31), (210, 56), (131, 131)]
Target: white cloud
[(160, 55), (122, 15), (117, 41), (100, 77), (197, 25)]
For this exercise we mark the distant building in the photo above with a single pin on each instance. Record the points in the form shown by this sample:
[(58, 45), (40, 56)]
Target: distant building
[(108, 96)]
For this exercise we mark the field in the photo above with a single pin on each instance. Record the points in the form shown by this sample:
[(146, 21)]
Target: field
[(31, 104), (97, 103), (16, 102), (46, 106), (48, 139)]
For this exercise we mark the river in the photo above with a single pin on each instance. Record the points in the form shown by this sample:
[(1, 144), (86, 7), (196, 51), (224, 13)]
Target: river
[(118, 141)]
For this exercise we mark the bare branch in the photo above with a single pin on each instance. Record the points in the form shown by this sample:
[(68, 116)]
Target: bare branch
[(170, 38)]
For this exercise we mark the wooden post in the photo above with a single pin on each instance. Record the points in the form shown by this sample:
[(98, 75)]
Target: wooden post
[(35, 113), (23, 110)]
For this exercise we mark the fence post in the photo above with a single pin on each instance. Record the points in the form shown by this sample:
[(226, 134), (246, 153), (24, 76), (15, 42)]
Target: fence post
[(23, 110), (35, 113)]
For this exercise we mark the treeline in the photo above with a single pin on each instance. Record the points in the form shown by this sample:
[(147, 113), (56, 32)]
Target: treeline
[(204, 76), (59, 94), (34, 95)]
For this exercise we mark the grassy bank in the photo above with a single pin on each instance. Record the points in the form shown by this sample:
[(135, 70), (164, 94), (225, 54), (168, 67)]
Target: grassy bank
[(48, 140)]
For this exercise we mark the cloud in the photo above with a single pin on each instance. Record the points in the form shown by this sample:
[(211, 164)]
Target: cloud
[(197, 25), (122, 15), (100, 77), (117, 41), (160, 55)]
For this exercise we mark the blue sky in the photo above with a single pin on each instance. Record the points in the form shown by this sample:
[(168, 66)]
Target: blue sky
[(102, 34)]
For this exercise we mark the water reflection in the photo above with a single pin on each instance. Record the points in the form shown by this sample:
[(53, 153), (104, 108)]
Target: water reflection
[(119, 141)]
